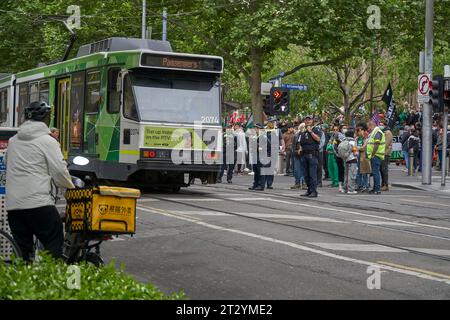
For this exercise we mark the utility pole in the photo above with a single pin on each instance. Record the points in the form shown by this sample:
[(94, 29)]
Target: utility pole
[(164, 26), (445, 127), (427, 108), (144, 19)]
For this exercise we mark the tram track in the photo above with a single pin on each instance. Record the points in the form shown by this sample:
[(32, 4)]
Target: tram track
[(331, 203), (317, 230)]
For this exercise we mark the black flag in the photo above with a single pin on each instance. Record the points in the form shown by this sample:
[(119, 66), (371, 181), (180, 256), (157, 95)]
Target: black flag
[(388, 98)]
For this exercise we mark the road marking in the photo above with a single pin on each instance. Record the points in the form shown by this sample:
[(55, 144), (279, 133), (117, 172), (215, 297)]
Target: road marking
[(438, 252), (148, 200), (247, 199), (424, 202), (200, 213), (117, 239), (289, 217), (384, 195), (356, 247), (297, 246), (360, 214), (384, 223), (257, 215), (193, 199), (422, 271)]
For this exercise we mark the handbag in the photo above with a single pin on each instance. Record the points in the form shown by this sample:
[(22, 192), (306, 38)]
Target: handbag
[(364, 164)]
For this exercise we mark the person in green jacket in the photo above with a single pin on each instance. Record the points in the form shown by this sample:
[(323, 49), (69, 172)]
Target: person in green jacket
[(332, 165)]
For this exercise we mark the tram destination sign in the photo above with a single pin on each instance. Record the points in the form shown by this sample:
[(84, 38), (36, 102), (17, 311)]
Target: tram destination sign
[(181, 62)]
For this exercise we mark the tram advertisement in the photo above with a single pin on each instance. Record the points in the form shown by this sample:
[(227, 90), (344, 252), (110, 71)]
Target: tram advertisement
[(174, 138)]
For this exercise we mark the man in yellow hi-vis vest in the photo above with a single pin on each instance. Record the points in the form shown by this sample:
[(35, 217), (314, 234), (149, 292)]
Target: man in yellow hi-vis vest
[(376, 144)]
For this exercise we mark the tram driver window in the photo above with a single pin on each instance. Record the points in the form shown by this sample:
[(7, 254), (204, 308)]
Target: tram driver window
[(129, 108), (93, 98), (113, 105)]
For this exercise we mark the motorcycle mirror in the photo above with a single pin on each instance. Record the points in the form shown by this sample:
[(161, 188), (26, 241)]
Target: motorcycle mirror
[(80, 161)]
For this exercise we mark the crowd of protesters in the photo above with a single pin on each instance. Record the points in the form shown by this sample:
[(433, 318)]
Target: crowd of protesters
[(354, 159)]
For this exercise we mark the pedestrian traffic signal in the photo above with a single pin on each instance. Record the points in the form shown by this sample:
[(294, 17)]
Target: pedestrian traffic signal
[(437, 94), (279, 102)]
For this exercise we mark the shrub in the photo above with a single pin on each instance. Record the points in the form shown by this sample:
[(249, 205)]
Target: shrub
[(48, 279)]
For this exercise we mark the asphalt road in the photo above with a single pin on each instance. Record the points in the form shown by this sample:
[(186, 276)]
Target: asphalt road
[(226, 242)]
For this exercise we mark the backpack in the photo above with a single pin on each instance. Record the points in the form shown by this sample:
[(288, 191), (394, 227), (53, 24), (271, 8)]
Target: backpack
[(345, 149)]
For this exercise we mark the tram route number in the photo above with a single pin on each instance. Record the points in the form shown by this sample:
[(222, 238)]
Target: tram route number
[(211, 119)]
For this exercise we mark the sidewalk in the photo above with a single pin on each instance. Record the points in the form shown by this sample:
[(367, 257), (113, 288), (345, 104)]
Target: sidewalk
[(398, 178)]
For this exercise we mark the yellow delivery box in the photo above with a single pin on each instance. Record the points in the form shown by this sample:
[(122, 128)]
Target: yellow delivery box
[(101, 210)]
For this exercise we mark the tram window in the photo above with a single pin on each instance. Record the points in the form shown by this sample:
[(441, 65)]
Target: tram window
[(113, 105), (129, 107), (43, 91), (3, 106), (23, 102), (34, 92), (93, 92)]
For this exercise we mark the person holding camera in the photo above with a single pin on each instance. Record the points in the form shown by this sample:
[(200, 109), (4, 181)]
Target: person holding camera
[(310, 141)]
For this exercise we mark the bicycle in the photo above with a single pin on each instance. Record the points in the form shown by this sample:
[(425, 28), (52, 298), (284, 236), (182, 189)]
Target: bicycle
[(79, 245), (9, 249)]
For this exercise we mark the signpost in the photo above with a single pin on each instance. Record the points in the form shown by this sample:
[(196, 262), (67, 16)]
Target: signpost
[(424, 84), (299, 87)]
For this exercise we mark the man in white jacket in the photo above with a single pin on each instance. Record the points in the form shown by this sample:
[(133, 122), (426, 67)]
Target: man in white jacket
[(33, 162)]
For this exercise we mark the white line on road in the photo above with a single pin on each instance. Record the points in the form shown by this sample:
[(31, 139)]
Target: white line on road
[(148, 200), (384, 223), (289, 217), (438, 252), (200, 213), (248, 199), (361, 214), (193, 199), (297, 246), (424, 202), (356, 247)]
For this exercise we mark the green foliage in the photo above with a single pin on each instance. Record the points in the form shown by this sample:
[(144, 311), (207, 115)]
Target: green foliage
[(47, 279), (255, 37)]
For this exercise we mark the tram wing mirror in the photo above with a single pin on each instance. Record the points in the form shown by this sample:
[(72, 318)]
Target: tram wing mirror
[(80, 161)]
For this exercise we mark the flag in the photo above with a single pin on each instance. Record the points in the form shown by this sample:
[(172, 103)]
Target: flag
[(375, 117), (249, 123), (388, 98)]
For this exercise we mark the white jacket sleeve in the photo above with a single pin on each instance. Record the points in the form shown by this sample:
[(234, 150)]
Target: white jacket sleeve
[(57, 167)]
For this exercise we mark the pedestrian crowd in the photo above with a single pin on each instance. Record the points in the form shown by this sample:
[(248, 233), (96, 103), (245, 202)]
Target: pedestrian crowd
[(351, 158)]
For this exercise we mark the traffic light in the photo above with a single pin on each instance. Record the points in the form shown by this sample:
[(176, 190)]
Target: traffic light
[(437, 94), (447, 92), (279, 101)]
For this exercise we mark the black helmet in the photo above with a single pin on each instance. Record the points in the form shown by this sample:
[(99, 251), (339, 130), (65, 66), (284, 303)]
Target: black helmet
[(37, 110)]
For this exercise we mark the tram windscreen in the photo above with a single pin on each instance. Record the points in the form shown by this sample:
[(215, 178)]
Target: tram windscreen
[(177, 97)]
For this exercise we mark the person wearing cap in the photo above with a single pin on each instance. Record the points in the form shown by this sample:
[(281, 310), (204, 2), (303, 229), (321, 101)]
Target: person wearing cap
[(310, 142)]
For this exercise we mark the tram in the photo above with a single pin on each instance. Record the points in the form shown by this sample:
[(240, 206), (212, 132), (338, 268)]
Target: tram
[(122, 103)]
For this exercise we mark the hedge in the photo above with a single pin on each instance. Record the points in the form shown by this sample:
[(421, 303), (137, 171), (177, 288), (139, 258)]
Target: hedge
[(48, 279)]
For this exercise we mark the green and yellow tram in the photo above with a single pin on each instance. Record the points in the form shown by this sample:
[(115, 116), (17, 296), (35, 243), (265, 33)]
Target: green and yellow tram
[(120, 103)]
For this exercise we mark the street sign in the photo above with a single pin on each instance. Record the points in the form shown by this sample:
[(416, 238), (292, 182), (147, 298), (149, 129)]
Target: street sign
[(300, 87), (265, 88), (424, 84)]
